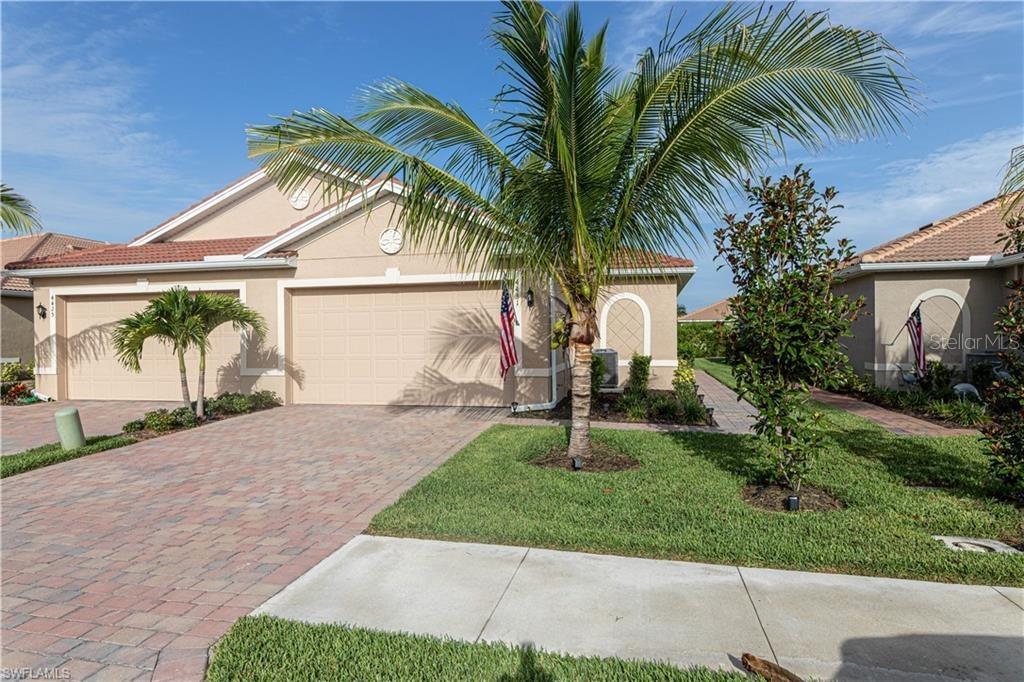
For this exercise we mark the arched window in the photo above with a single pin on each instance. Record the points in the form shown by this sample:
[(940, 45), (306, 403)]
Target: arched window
[(946, 326), (625, 325)]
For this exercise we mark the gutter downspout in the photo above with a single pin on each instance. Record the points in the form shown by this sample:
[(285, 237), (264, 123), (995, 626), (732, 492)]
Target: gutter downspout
[(554, 361)]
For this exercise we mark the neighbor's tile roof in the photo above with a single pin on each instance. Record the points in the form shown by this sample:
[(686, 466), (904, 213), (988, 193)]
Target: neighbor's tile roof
[(153, 253), (41, 245), (712, 313), (969, 233)]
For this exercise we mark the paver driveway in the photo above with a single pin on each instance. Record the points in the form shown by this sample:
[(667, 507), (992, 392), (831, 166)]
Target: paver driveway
[(137, 559), (29, 426)]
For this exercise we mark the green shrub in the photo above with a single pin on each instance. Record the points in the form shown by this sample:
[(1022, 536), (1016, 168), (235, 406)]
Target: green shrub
[(158, 421), (240, 403), (937, 380), (133, 426), (683, 375), (184, 418), (596, 376), (16, 371), (635, 406), (262, 400), (665, 408), (699, 340), (639, 375)]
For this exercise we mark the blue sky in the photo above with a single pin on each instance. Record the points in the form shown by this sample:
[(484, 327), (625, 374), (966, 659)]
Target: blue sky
[(116, 115)]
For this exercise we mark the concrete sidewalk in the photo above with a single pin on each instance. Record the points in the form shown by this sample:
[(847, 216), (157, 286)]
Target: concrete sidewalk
[(826, 626)]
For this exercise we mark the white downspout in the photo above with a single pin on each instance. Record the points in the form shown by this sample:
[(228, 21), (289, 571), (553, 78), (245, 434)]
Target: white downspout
[(554, 361)]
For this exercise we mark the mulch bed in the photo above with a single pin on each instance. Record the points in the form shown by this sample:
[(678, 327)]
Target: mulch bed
[(773, 498), (603, 458), (147, 434)]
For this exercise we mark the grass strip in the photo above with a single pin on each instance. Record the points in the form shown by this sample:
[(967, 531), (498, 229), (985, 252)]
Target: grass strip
[(267, 648), (53, 453)]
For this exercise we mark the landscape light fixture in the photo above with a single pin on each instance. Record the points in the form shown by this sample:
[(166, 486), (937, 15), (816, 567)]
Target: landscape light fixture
[(793, 503), (515, 406), (41, 311), (577, 463), (529, 298)]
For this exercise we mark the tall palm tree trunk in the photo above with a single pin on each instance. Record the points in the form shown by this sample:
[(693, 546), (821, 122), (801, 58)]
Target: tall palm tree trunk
[(201, 385), (579, 434), (184, 378)]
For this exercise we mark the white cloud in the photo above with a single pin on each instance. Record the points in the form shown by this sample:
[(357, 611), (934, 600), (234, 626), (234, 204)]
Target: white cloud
[(640, 26), (914, 192), (75, 138)]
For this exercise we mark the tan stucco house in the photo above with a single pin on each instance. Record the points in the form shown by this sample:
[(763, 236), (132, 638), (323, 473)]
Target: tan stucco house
[(354, 315), (954, 269), (17, 342)]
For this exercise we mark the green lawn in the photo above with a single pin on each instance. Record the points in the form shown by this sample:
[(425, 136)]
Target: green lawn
[(266, 648), (45, 455), (718, 370), (684, 503)]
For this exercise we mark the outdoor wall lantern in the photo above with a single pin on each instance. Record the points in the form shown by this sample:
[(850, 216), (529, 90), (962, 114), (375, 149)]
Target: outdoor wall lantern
[(529, 298), (41, 311)]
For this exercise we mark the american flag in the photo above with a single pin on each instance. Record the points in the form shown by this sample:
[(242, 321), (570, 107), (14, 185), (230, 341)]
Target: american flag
[(508, 337), (916, 330)]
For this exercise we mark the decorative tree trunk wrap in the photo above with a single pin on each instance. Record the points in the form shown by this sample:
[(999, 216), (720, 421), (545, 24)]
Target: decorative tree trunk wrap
[(579, 434)]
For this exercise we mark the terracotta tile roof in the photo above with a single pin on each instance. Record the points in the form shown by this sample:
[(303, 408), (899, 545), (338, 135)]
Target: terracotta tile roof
[(41, 245), (969, 233), (651, 260), (152, 253), (712, 313)]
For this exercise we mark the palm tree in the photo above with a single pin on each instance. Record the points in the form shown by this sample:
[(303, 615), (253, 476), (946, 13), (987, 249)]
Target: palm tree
[(183, 320), (17, 213), (585, 168), (213, 310), (170, 318)]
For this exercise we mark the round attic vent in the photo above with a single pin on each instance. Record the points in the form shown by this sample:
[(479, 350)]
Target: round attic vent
[(299, 199)]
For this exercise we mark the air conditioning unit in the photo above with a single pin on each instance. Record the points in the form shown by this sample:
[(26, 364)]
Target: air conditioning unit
[(611, 367)]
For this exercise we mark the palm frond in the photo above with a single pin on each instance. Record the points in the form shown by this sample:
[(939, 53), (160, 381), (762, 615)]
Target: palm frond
[(17, 213)]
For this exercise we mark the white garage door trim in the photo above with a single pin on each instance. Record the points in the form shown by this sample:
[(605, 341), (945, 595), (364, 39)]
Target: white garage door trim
[(142, 286)]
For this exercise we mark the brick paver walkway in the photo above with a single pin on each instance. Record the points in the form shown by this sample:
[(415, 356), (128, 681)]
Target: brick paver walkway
[(894, 422), (29, 426), (135, 560), (731, 414)]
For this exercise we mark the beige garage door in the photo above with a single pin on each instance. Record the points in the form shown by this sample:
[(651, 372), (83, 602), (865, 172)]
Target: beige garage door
[(401, 346), (93, 370)]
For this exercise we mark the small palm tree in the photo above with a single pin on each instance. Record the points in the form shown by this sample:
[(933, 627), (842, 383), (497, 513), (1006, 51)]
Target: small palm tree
[(183, 320), (584, 168), (17, 213), (213, 310), (169, 318)]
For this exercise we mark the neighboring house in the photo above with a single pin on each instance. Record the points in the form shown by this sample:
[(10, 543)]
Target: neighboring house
[(954, 269), (16, 335), (716, 312), (354, 315)]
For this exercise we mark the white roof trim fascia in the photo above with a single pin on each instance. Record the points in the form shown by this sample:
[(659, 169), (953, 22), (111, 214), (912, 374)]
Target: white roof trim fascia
[(316, 222), (216, 200), (185, 266), (654, 271), (972, 263)]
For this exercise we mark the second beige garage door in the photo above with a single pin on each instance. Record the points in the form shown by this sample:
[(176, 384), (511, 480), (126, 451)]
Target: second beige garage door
[(93, 370), (396, 346)]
